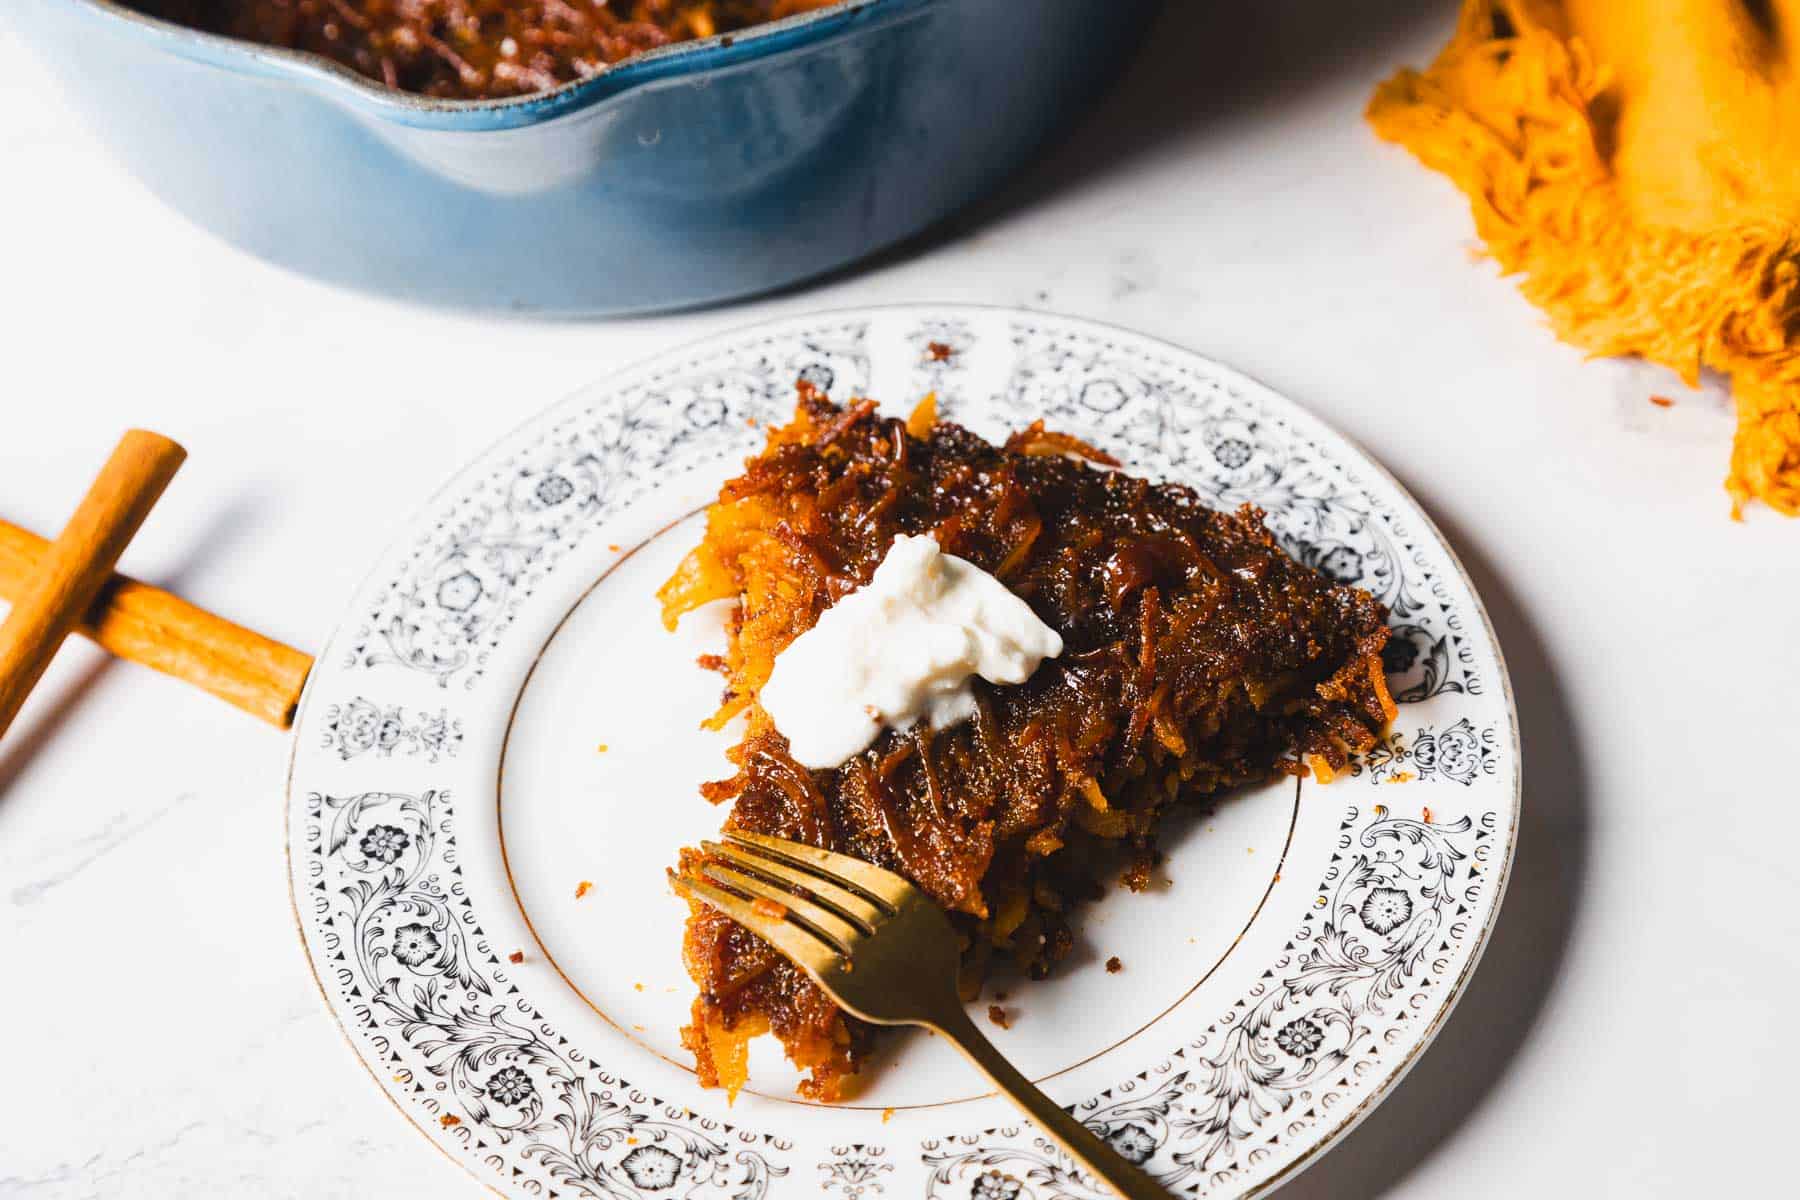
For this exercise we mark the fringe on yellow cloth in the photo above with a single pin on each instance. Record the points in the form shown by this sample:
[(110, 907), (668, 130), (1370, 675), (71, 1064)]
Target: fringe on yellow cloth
[(1638, 164)]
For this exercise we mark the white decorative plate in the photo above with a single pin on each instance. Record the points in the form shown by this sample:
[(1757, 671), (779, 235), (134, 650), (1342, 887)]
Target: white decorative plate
[(449, 793)]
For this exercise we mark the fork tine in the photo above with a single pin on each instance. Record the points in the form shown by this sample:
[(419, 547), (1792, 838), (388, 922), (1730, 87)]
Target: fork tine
[(827, 925), (885, 888), (813, 955), (852, 906)]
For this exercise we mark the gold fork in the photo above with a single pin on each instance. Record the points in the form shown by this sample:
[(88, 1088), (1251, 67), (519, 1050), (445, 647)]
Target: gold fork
[(884, 951)]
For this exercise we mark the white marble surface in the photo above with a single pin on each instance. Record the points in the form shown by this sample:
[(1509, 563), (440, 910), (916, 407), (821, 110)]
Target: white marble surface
[(1629, 1032)]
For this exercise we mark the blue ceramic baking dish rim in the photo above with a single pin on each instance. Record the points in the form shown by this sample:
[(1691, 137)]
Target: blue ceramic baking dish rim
[(340, 84)]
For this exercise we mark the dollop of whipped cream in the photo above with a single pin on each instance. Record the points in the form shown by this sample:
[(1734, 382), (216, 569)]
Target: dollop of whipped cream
[(902, 647)]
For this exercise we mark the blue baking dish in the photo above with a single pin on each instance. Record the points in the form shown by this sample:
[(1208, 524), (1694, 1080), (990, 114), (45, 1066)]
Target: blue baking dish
[(695, 174)]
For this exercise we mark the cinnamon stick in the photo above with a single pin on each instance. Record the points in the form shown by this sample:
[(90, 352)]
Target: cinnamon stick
[(78, 564), (165, 633)]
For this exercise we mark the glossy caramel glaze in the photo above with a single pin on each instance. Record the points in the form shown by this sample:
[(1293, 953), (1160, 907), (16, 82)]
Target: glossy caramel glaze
[(1198, 657)]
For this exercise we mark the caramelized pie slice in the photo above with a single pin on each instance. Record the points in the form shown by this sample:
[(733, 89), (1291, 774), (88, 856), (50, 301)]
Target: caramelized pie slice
[(1198, 657)]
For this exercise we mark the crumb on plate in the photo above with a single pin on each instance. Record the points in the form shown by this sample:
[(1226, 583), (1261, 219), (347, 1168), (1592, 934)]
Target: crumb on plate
[(516, 957), (449, 1119), (583, 888), (998, 1016), (1114, 966)]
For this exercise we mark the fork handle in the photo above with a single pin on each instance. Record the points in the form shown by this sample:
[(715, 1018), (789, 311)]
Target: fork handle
[(1100, 1159)]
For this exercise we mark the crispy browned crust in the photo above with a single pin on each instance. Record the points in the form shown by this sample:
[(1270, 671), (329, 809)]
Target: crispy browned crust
[(1198, 657)]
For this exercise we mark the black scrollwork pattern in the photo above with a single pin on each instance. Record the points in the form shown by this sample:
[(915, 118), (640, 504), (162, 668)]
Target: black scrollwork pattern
[(462, 584), (939, 350), (410, 960), (396, 938), (1289, 1053), (1004, 1164), (1301, 1042), (1167, 420), (855, 1172), (1459, 752), (361, 726)]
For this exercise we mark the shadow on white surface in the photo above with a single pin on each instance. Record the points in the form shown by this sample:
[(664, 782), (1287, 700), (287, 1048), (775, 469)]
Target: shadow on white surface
[(56, 701), (1511, 987), (1206, 64), (37, 725), (1203, 64)]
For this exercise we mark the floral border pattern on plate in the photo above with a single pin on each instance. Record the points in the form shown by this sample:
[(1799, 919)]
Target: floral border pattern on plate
[(420, 985)]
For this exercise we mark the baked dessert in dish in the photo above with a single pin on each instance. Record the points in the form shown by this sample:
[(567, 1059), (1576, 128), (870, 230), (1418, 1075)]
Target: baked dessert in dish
[(1195, 655), (474, 49)]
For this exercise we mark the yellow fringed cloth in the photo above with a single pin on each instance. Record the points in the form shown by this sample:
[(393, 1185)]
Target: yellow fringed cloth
[(1638, 164)]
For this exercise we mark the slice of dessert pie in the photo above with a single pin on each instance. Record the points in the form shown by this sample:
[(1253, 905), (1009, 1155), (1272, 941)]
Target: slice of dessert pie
[(1194, 655)]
